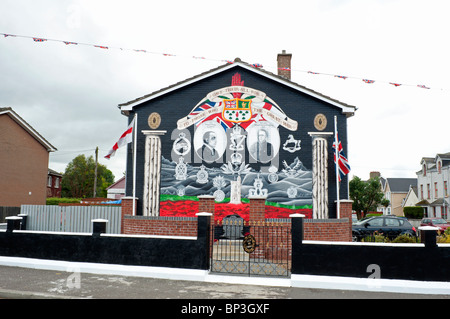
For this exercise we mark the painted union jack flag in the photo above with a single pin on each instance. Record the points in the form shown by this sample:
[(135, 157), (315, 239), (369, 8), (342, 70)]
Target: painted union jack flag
[(217, 116), (343, 165)]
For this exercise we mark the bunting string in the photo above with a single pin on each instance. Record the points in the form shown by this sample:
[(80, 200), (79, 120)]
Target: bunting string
[(255, 65), (367, 81)]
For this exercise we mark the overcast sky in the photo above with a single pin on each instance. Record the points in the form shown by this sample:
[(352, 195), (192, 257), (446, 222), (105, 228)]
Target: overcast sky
[(70, 93)]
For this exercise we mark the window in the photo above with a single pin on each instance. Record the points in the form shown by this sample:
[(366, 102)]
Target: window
[(424, 170), (57, 182), (440, 167), (421, 191), (435, 190), (391, 222), (376, 222), (428, 191), (445, 189), (49, 181)]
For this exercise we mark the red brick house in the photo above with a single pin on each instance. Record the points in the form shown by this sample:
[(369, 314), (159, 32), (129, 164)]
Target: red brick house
[(117, 190), (54, 183), (23, 161)]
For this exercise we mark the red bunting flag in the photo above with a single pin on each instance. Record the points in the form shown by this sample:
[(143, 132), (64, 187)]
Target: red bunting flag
[(395, 84), (368, 81), (39, 40)]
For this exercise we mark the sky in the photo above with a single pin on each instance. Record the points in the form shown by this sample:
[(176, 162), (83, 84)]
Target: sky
[(70, 93)]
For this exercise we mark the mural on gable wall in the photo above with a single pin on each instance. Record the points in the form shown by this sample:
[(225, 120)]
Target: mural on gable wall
[(229, 146)]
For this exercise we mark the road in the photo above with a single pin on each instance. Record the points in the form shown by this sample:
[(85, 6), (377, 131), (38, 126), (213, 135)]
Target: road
[(27, 283)]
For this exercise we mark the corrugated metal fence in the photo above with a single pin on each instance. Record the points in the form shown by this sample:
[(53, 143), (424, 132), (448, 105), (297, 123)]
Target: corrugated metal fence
[(71, 218)]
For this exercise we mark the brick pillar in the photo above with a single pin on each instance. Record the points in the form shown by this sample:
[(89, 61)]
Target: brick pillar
[(346, 212), (256, 221), (257, 209), (126, 209), (206, 204)]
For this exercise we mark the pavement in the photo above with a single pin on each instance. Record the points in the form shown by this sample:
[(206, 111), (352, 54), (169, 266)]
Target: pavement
[(22, 278)]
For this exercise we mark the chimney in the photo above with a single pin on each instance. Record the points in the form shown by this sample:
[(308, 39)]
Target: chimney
[(284, 64), (374, 174)]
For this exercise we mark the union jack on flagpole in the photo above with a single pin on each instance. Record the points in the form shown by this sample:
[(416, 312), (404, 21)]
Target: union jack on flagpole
[(342, 166)]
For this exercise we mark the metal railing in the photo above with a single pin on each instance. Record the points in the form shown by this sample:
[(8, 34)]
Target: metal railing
[(71, 218), (251, 248)]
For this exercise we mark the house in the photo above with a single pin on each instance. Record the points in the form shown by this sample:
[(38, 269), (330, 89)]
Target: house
[(116, 190), (432, 185), (411, 198), (396, 190), (54, 183), (234, 132), (24, 160)]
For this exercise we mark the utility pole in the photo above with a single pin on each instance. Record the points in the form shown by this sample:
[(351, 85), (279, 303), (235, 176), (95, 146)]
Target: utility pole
[(95, 172)]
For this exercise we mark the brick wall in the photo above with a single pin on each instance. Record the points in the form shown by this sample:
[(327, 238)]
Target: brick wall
[(327, 230), (162, 226), (23, 166)]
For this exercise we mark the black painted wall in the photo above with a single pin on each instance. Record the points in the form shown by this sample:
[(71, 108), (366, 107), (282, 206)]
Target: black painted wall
[(393, 262), (175, 253), (428, 262), (295, 104)]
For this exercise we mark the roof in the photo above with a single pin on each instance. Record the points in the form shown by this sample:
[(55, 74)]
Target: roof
[(401, 185), (27, 127), (120, 184), (423, 202), (54, 173), (438, 202), (347, 109)]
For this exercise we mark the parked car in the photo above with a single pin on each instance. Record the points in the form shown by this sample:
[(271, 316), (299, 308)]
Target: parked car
[(435, 221), (389, 226)]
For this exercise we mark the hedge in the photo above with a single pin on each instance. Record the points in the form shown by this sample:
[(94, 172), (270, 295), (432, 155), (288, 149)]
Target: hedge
[(413, 212), (57, 201)]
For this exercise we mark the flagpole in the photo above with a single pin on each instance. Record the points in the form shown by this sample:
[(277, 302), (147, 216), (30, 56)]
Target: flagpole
[(134, 163), (336, 150)]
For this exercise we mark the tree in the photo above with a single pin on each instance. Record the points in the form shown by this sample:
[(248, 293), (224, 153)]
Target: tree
[(366, 195), (78, 178)]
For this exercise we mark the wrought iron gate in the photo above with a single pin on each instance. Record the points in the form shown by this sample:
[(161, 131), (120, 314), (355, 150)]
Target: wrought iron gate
[(251, 248)]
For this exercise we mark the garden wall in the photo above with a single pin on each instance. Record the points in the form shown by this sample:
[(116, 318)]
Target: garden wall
[(323, 229)]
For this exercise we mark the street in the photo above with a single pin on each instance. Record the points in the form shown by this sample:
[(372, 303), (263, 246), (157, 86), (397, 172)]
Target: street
[(27, 283)]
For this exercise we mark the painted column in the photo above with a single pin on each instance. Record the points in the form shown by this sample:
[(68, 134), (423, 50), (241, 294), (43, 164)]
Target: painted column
[(320, 174), (152, 172)]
